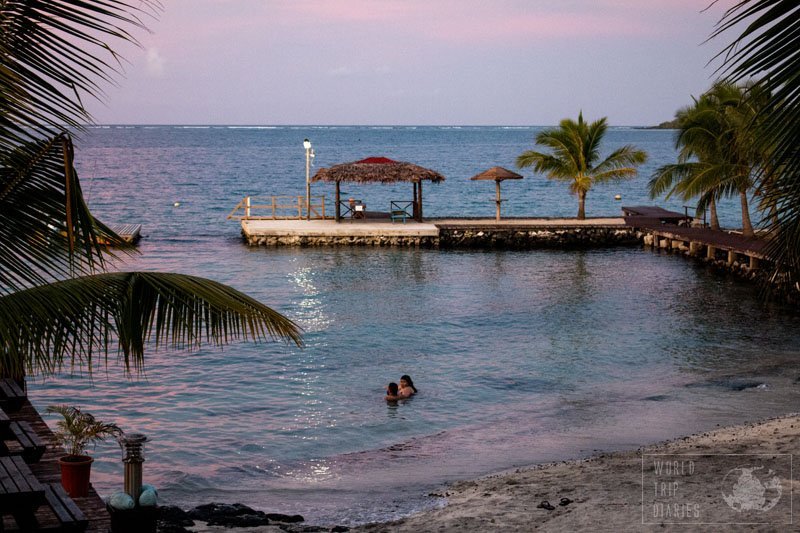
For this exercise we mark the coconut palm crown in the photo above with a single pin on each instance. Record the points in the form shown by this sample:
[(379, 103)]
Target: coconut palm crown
[(58, 306), (766, 45), (574, 157), (717, 152)]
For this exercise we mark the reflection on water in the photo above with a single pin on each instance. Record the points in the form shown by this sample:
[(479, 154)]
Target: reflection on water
[(520, 357)]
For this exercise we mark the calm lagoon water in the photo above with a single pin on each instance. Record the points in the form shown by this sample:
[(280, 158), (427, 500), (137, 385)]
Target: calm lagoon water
[(520, 357)]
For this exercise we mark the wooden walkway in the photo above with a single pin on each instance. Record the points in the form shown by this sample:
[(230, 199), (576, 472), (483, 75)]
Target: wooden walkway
[(47, 470), (129, 232), (699, 241)]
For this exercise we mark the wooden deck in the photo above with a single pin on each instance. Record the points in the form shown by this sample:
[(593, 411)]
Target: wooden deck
[(47, 470), (654, 214), (129, 232)]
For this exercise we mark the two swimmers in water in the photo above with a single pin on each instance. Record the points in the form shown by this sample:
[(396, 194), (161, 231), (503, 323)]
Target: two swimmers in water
[(405, 390)]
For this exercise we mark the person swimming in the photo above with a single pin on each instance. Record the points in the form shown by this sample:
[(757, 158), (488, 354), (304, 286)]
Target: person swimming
[(392, 392), (407, 388)]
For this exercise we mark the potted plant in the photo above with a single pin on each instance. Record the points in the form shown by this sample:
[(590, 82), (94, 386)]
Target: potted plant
[(75, 432)]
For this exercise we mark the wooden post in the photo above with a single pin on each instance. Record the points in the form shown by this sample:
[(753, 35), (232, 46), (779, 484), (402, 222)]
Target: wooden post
[(498, 200), (731, 257), (694, 248), (753, 262), (414, 204), (300, 207), (247, 207), (419, 188), (338, 205), (274, 208), (711, 252)]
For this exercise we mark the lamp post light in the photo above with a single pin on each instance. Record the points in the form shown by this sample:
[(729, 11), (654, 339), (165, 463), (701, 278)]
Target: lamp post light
[(133, 456), (309, 151)]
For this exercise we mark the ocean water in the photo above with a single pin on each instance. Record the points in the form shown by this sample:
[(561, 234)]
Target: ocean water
[(520, 357)]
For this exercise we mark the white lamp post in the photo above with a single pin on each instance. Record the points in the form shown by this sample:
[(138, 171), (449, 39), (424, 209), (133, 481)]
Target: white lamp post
[(307, 146)]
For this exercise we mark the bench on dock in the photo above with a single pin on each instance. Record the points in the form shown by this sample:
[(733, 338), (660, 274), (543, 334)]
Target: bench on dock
[(20, 439), (21, 493), (398, 210), (399, 214), (12, 395), (69, 516)]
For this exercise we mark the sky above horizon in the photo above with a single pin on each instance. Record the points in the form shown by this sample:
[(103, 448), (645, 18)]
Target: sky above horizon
[(420, 62)]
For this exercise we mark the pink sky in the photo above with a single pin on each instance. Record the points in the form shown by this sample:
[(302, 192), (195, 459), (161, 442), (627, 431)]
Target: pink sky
[(415, 62)]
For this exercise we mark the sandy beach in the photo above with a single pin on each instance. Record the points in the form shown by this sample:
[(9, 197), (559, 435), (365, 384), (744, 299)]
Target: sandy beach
[(732, 479), (608, 490)]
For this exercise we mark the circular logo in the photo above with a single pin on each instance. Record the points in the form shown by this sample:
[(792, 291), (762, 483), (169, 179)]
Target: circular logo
[(748, 488)]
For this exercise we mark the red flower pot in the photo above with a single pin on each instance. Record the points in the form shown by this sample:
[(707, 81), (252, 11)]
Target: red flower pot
[(75, 473)]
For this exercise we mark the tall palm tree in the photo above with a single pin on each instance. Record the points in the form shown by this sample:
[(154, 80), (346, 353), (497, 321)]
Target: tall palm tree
[(575, 157), (717, 156), (769, 48), (57, 305)]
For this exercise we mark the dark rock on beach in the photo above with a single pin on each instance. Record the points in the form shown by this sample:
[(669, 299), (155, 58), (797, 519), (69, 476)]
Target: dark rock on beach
[(287, 518), (229, 515), (175, 520)]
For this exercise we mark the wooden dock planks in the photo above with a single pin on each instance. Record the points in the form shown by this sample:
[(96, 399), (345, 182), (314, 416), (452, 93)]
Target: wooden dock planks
[(129, 232), (47, 471)]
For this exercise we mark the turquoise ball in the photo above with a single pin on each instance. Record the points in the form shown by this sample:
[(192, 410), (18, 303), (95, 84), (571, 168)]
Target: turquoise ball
[(121, 501), (148, 498)]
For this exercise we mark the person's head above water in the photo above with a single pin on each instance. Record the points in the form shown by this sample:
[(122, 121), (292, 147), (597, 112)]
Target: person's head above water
[(392, 389), (405, 381)]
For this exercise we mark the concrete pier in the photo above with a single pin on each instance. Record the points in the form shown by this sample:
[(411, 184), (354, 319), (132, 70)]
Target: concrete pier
[(450, 232)]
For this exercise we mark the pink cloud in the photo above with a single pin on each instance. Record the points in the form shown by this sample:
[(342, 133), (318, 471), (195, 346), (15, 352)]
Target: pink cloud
[(465, 21)]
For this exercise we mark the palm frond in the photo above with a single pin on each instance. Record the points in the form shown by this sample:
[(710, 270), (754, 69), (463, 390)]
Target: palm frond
[(769, 47), (52, 53), (621, 163), (75, 321), (46, 229)]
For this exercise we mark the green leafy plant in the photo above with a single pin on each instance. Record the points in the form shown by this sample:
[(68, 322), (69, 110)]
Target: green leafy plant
[(79, 429)]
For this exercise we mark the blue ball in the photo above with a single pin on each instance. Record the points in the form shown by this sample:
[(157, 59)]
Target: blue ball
[(148, 498), (148, 487), (121, 501)]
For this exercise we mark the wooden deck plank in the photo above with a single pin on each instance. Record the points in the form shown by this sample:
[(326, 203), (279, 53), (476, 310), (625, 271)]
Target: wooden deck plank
[(721, 240), (129, 232), (48, 471)]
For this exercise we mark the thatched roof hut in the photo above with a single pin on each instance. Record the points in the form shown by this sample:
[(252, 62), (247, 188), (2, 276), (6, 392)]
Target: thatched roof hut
[(379, 170), (497, 174)]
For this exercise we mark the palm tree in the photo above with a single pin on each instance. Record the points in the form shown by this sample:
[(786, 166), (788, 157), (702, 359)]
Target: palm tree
[(57, 305), (769, 47), (717, 155), (575, 152)]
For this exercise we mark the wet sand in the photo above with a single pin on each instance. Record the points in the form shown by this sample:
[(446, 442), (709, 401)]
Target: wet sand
[(629, 491)]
